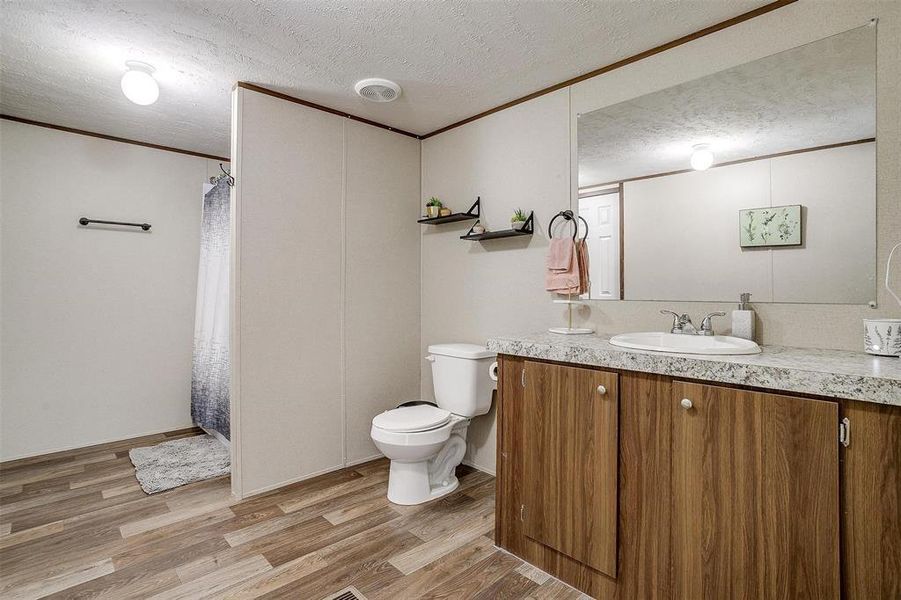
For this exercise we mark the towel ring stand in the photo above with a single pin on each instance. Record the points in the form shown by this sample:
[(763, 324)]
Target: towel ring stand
[(569, 216)]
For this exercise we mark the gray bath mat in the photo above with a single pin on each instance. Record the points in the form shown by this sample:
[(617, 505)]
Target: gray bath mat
[(171, 464)]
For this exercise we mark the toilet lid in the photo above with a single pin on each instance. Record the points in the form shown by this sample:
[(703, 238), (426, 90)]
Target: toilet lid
[(407, 419)]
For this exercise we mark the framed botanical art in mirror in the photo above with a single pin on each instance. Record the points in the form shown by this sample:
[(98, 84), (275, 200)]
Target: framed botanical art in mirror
[(760, 178), (770, 226)]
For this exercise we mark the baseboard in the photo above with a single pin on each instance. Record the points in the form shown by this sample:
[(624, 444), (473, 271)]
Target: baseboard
[(90, 445), (360, 461), (346, 465), (281, 484), (469, 463)]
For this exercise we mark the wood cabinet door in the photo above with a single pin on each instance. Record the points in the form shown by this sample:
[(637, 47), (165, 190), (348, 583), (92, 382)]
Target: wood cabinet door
[(755, 495), (871, 502), (569, 419)]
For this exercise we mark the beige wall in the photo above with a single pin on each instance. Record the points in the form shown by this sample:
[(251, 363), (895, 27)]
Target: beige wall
[(525, 156), (325, 287), (97, 324), (470, 291), (381, 315)]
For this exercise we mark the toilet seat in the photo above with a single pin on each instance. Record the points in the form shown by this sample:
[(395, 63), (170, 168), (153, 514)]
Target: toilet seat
[(412, 419), (422, 438), (436, 435)]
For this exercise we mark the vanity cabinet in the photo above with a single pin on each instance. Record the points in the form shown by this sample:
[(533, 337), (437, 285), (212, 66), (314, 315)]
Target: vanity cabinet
[(755, 495), (664, 488)]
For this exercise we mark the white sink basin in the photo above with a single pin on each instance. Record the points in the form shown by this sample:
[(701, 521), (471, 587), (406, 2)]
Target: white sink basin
[(683, 343)]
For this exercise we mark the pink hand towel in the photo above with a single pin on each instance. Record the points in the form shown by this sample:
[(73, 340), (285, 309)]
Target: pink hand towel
[(574, 281), (560, 254), (563, 281)]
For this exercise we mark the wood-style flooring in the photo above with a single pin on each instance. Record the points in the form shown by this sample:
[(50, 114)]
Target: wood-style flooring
[(76, 525)]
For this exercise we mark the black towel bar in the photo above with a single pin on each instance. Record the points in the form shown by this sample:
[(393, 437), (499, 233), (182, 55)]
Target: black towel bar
[(86, 221)]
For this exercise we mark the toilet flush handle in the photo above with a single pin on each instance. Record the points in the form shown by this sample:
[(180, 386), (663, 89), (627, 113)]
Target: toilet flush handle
[(492, 371), (430, 358)]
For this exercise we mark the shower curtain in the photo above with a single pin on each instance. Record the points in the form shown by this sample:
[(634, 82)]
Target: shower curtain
[(210, 373)]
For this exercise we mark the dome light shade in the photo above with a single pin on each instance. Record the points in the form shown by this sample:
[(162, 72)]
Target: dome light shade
[(702, 157), (138, 83)]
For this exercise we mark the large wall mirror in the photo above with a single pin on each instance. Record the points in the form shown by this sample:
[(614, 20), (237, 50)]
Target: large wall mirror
[(760, 178)]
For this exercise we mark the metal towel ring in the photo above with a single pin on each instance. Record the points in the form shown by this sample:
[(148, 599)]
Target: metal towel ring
[(569, 216)]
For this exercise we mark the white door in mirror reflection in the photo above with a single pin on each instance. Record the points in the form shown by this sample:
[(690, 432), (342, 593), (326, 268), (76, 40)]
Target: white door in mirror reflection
[(602, 215)]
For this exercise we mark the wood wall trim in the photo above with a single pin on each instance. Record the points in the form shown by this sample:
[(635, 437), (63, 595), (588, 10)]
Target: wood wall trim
[(589, 191), (737, 162), (621, 63), (259, 89), (135, 441), (113, 138)]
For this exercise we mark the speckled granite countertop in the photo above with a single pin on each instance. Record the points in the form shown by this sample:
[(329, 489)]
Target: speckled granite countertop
[(833, 373)]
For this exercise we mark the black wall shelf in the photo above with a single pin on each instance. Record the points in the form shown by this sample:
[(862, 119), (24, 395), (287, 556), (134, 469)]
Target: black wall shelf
[(473, 213), (527, 229)]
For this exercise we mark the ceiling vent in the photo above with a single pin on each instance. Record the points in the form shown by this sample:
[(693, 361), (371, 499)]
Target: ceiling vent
[(377, 90)]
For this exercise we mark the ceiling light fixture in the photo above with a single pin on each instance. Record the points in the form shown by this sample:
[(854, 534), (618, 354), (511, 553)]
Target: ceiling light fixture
[(138, 83), (702, 157), (377, 90)]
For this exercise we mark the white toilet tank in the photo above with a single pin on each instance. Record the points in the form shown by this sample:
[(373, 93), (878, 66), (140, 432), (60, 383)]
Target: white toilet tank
[(461, 378)]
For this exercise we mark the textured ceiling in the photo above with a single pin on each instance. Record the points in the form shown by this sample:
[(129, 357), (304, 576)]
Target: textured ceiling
[(61, 60), (818, 94)]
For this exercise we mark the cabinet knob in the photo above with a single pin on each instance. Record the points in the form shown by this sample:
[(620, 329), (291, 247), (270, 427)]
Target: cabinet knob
[(686, 403), (602, 390)]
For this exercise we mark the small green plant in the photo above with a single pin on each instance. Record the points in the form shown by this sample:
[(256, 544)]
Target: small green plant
[(519, 216), (433, 201)]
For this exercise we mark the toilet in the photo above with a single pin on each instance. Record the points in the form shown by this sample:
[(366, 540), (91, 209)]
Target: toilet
[(425, 443)]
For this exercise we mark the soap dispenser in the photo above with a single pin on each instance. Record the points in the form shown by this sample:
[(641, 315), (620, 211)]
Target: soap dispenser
[(743, 319)]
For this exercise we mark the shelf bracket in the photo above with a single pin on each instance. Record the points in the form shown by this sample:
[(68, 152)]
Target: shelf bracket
[(529, 225), (469, 233), (476, 209)]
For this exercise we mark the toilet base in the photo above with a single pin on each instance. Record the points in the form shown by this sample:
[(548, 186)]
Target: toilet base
[(415, 482), (408, 483)]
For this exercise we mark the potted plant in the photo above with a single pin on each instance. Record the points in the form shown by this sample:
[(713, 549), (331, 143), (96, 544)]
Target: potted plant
[(518, 220), (433, 207)]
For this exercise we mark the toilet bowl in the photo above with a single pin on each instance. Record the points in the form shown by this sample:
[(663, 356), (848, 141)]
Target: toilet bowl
[(425, 442), (422, 462)]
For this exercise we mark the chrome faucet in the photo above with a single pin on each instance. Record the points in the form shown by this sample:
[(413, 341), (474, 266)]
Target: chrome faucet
[(707, 326), (682, 323)]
